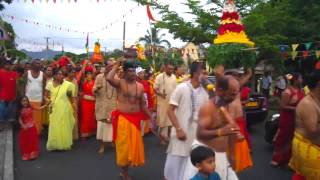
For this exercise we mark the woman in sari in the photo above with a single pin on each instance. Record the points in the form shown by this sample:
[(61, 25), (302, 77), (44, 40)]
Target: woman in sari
[(88, 124), (71, 78), (61, 114), (290, 98)]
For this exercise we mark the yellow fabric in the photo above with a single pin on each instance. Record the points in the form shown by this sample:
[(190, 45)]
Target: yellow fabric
[(242, 156), (129, 144), (37, 116), (62, 120), (233, 37), (305, 158), (228, 21), (306, 90)]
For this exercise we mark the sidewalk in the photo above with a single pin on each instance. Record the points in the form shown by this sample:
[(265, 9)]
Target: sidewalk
[(6, 154)]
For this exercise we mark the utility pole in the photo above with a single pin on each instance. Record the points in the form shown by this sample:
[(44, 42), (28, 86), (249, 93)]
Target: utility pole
[(105, 51), (124, 35), (47, 48)]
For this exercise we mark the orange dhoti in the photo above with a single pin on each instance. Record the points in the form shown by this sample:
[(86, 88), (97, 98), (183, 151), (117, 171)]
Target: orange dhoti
[(128, 139), (37, 116), (242, 151)]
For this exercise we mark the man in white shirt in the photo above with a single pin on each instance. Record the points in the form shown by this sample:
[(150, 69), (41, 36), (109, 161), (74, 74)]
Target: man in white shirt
[(185, 103), (266, 84), (34, 91)]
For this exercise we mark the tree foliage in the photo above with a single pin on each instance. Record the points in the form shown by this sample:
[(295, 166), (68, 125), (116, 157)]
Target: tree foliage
[(154, 38), (268, 23), (2, 2)]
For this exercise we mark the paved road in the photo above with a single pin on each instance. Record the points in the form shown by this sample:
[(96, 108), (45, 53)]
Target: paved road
[(83, 162)]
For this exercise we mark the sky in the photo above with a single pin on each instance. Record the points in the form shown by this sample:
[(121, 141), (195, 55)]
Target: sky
[(85, 16)]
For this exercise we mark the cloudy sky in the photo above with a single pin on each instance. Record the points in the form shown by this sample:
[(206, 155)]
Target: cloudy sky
[(85, 16)]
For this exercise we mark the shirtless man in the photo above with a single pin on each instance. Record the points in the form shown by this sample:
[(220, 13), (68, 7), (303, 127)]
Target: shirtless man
[(131, 110), (306, 142), (216, 127)]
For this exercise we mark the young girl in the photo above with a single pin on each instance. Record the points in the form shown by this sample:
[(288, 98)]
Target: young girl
[(28, 136)]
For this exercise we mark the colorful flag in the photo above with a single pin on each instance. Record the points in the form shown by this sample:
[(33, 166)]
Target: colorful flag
[(294, 47), (308, 45), (318, 54), (294, 54)]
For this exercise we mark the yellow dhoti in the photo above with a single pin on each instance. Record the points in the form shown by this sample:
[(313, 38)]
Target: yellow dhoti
[(128, 141), (305, 158)]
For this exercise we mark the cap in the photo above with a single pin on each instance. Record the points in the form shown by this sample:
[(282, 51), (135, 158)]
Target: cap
[(139, 70)]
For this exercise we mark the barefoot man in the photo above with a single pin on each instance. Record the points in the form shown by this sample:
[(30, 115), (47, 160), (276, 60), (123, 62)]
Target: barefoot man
[(305, 160), (217, 129), (131, 110)]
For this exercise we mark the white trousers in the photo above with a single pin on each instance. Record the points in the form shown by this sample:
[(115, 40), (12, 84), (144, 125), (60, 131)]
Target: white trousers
[(175, 167), (223, 167)]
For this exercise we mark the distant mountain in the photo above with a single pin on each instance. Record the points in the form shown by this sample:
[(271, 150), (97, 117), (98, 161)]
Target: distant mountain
[(41, 54)]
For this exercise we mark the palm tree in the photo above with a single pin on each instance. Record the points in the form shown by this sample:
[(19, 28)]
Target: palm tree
[(153, 38)]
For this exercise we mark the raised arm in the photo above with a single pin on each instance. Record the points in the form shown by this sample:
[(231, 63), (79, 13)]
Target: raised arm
[(115, 82), (246, 77)]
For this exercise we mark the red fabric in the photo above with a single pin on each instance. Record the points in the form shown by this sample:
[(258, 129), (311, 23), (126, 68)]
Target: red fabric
[(88, 123), (317, 66), (89, 69), (135, 118), (63, 61), (150, 16), (147, 90), (8, 85), (232, 27), (231, 16), (28, 138), (282, 145), (298, 177), (242, 123), (245, 92)]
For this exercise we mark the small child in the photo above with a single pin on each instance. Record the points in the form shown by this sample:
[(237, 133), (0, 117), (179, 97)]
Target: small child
[(203, 158), (28, 136)]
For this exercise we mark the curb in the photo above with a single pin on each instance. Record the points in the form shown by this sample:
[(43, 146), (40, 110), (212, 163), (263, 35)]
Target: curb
[(7, 170)]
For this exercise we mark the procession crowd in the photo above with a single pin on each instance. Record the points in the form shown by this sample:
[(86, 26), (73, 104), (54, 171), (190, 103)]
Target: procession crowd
[(118, 102)]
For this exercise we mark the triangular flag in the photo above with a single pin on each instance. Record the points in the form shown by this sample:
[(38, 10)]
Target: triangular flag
[(318, 54), (305, 54), (308, 45), (294, 54), (294, 47)]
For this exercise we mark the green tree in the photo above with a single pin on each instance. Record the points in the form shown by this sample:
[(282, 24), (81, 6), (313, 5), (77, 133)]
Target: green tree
[(10, 43), (2, 2), (153, 38), (16, 54), (268, 23)]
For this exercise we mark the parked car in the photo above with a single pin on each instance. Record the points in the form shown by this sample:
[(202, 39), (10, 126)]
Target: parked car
[(256, 109)]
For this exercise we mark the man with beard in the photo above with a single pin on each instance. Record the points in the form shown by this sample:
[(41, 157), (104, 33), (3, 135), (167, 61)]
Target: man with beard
[(217, 129), (105, 102), (126, 119), (185, 103), (34, 91), (165, 83)]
